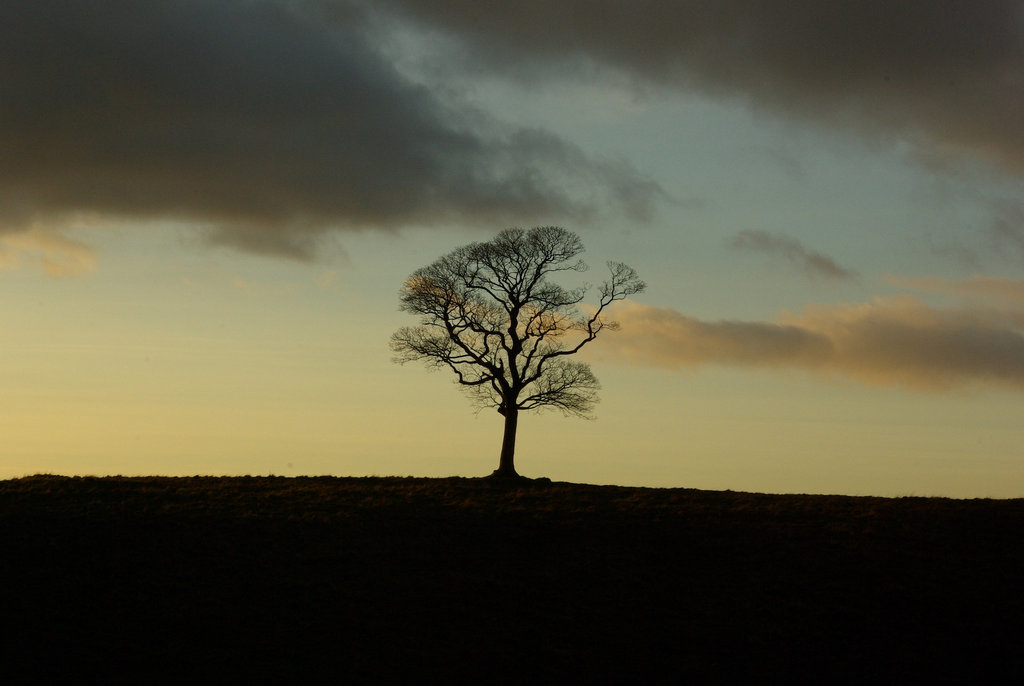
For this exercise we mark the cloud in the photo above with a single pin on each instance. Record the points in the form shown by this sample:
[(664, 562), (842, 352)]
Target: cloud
[(268, 122), (1007, 230), (53, 253), (326, 280), (948, 76), (1009, 291), (957, 251), (813, 264), (897, 341), (666, 338)]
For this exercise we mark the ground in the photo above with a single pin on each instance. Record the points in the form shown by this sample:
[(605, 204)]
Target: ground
[(307, 580)]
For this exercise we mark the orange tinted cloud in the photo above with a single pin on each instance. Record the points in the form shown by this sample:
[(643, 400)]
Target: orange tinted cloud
[(46, 250), (666, 338), (890, 342), (1010, 291)]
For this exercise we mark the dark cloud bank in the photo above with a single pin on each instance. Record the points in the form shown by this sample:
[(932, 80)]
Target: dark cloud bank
[(267, 121), (948, 74), (272, 120)]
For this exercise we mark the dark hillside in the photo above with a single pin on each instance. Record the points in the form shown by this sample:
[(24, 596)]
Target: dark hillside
[(307, 580)]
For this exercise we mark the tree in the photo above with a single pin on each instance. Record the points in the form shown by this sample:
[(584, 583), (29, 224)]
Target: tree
[(490, 314)]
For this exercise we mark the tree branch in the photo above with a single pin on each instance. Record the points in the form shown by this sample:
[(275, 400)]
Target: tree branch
[(490, 314)]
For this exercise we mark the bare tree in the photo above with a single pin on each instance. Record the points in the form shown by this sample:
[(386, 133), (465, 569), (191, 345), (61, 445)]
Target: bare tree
[(490, 314)]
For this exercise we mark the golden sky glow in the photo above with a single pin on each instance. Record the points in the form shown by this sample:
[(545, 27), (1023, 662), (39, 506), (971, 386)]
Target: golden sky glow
[(207, 209)]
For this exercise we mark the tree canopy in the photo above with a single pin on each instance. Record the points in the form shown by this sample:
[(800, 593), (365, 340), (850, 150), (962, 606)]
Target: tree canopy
[(491, 314)]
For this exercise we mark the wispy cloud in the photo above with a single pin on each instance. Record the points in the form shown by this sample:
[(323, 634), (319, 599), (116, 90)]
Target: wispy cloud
[(326, 280), (897, 341), (46, 250), (811, 263), (955, 250), (1007, 230), (990, 289)]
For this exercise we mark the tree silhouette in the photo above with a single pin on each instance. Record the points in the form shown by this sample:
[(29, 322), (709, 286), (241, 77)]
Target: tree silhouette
[(490, 314)]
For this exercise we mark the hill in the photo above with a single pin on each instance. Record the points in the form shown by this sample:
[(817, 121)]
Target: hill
[(322, 579)]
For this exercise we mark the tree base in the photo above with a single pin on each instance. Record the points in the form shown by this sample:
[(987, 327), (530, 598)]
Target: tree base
[(505, 474), (514, 479)]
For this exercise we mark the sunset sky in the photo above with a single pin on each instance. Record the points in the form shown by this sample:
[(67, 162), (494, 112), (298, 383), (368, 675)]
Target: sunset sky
[(207, 209)]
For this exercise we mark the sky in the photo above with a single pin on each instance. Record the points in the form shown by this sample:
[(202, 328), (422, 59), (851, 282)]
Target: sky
[(207, 209)]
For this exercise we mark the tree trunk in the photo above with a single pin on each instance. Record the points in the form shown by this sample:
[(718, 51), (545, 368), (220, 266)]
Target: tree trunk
[(506, 465)]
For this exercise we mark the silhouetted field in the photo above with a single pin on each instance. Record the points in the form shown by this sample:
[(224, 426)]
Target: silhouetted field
[(310, 580)]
